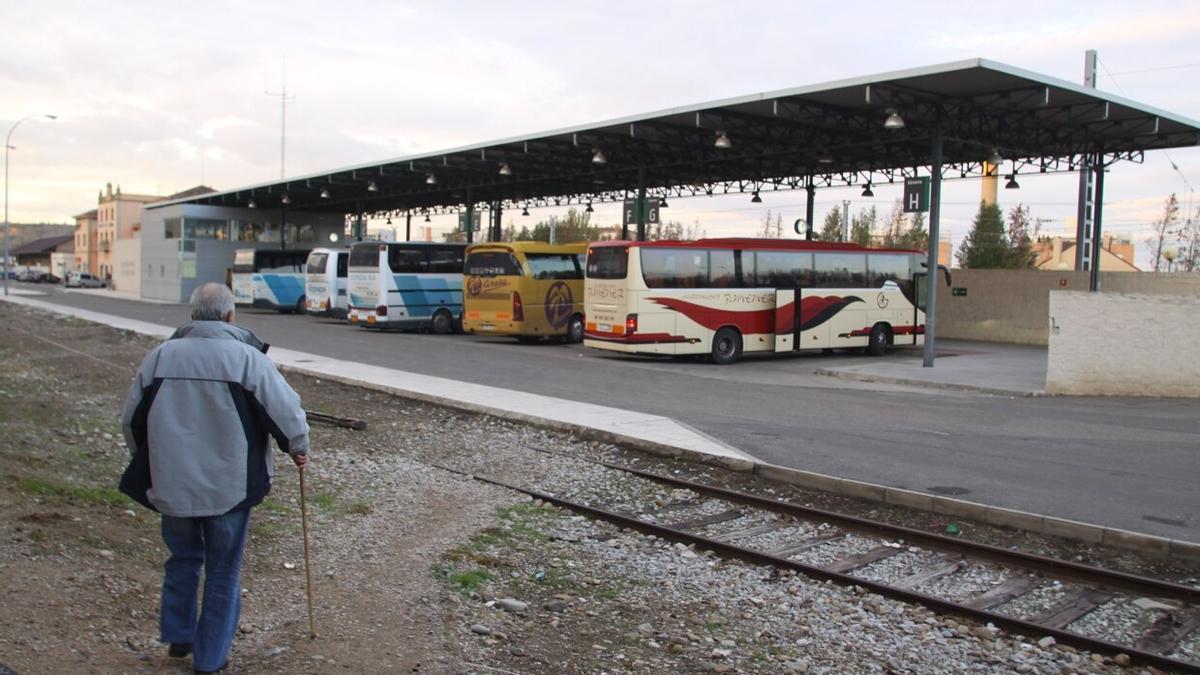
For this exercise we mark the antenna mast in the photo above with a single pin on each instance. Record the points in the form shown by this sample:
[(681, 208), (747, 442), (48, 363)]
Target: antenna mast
[(283, 101)]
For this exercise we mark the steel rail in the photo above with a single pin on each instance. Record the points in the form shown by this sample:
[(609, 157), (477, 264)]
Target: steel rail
[(760, 558), (1051, 567)]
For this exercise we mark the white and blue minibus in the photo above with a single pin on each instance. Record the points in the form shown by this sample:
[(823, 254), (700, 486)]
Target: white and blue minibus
[(410, 285), (269, 279), (325, 282)]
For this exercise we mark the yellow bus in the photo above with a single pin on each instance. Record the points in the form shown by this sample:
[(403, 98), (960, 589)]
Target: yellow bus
[(526, 289)]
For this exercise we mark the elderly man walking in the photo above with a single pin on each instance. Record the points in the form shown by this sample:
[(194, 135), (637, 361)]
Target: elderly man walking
[(198, 420)]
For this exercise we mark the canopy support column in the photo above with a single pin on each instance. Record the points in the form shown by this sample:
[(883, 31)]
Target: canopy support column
[(931, 260), (497, 212), (809, 209), (358, 231), (470, 224), (408, 225), (1098, 210), (640, 209)]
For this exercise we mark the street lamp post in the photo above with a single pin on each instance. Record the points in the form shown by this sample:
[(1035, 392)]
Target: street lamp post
[(7, 147)]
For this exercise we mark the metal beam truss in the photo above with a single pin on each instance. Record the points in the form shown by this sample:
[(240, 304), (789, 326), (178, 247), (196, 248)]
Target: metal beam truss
[(777, 144)]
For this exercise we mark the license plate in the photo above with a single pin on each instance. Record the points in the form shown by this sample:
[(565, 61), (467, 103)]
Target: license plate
[(605, 327), (486, 326)]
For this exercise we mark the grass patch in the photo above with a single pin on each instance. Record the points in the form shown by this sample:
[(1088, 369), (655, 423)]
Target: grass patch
[(358, 508), (274, 508), (38, 487), (464, 582)]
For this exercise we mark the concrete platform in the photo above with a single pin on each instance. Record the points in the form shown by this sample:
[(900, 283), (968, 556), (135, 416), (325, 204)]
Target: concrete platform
[(654, 432), (988, 367)]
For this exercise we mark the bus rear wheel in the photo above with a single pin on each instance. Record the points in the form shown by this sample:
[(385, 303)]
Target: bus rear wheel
[(442, 323), (575, 330), (726, 346), (881, 337), (301, 306)]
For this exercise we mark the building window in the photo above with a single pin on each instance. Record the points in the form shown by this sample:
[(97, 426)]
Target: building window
[(204, 228), (172, 228)]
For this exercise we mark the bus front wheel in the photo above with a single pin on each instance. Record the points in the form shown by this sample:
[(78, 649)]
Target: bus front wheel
[(442, 323), (881, 337), (726, 346)]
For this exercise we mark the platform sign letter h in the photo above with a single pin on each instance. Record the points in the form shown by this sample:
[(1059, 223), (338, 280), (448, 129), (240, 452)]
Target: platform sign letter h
[(916, 194)]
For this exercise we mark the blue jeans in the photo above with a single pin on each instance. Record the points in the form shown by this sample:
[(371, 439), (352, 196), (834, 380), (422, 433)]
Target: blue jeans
[(216, 542)]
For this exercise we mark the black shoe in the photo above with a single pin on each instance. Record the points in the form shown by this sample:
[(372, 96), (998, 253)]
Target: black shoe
[(178, 650), (219, 669)]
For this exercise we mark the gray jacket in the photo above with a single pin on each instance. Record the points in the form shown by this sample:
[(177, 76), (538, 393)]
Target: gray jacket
[(198, 420)]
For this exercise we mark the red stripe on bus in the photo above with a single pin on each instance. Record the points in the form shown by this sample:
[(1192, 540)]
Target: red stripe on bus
[(818, 309), (637, 338)]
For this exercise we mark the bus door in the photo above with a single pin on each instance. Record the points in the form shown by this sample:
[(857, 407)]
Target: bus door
[(812, 324), (785, 320), (921, 292)]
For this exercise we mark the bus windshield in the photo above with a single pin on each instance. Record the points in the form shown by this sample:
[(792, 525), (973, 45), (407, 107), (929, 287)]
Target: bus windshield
[(365, 254), (607, 262), (317, 262), (492, 264)]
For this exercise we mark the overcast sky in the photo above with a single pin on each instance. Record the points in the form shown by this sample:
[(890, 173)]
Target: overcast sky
[(160, 97)]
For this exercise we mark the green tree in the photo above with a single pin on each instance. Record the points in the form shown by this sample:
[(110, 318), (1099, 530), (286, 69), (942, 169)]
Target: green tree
[(916, 237), (831, 230), (862, 226), (1022, 232), (896, 227), (986, 246)]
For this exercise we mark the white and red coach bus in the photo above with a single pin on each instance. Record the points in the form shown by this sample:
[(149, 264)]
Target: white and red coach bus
[(723, 297)]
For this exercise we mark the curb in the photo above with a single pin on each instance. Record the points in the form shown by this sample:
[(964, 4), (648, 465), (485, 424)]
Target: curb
[(992, 515), (888, 379)]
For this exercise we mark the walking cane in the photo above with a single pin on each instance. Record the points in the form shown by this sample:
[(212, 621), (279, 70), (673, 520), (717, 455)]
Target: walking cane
[(312, 626)]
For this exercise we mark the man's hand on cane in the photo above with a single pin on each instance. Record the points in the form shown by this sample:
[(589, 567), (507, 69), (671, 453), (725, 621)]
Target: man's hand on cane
[(300, 460)]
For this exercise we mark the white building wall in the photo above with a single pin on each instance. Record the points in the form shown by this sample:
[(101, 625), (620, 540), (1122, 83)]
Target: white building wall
[(1111, 344), (127, 265)]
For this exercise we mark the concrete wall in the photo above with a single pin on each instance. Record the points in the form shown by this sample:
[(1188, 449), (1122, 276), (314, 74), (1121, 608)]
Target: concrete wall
[(127, 265), (1152, 337), (1012, 305)]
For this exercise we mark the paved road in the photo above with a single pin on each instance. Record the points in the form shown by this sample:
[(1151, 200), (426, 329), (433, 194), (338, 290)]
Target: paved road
[(1130, 463)]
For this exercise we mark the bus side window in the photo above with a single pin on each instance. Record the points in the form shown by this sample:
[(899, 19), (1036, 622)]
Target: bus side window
[(407, 261), (841, 270), (445, 261), (722, 273), (343, 265)]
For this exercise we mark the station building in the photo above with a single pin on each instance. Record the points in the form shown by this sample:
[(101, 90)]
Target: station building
[(183, 245)]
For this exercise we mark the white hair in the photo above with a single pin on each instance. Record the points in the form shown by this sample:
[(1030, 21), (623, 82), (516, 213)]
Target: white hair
[(211, 302)]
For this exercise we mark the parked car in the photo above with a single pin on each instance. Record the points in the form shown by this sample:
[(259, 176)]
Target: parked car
[(32, 276), (84, 280)]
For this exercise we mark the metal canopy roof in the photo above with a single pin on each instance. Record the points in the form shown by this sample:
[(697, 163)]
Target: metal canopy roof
[(827, 135)]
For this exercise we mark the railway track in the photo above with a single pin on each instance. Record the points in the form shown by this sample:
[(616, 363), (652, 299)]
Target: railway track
[(1028, 594)]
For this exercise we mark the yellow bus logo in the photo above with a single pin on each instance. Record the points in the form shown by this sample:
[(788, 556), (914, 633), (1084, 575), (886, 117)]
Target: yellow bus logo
[(559, 304)]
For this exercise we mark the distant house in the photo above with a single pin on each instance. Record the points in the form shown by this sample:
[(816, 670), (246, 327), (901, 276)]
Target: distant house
[(1058, 253), (53, 254)]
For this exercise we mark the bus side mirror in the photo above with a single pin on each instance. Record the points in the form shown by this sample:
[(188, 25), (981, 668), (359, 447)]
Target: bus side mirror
[(946, 272)]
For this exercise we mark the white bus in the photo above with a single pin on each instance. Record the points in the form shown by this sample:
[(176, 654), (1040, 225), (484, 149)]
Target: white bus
[(410, 285), (325, 282), (269, 278), (724, 297)]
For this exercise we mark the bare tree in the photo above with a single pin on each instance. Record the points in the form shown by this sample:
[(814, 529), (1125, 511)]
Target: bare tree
[(772, 226), (1189, 243), (1161, 229)]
